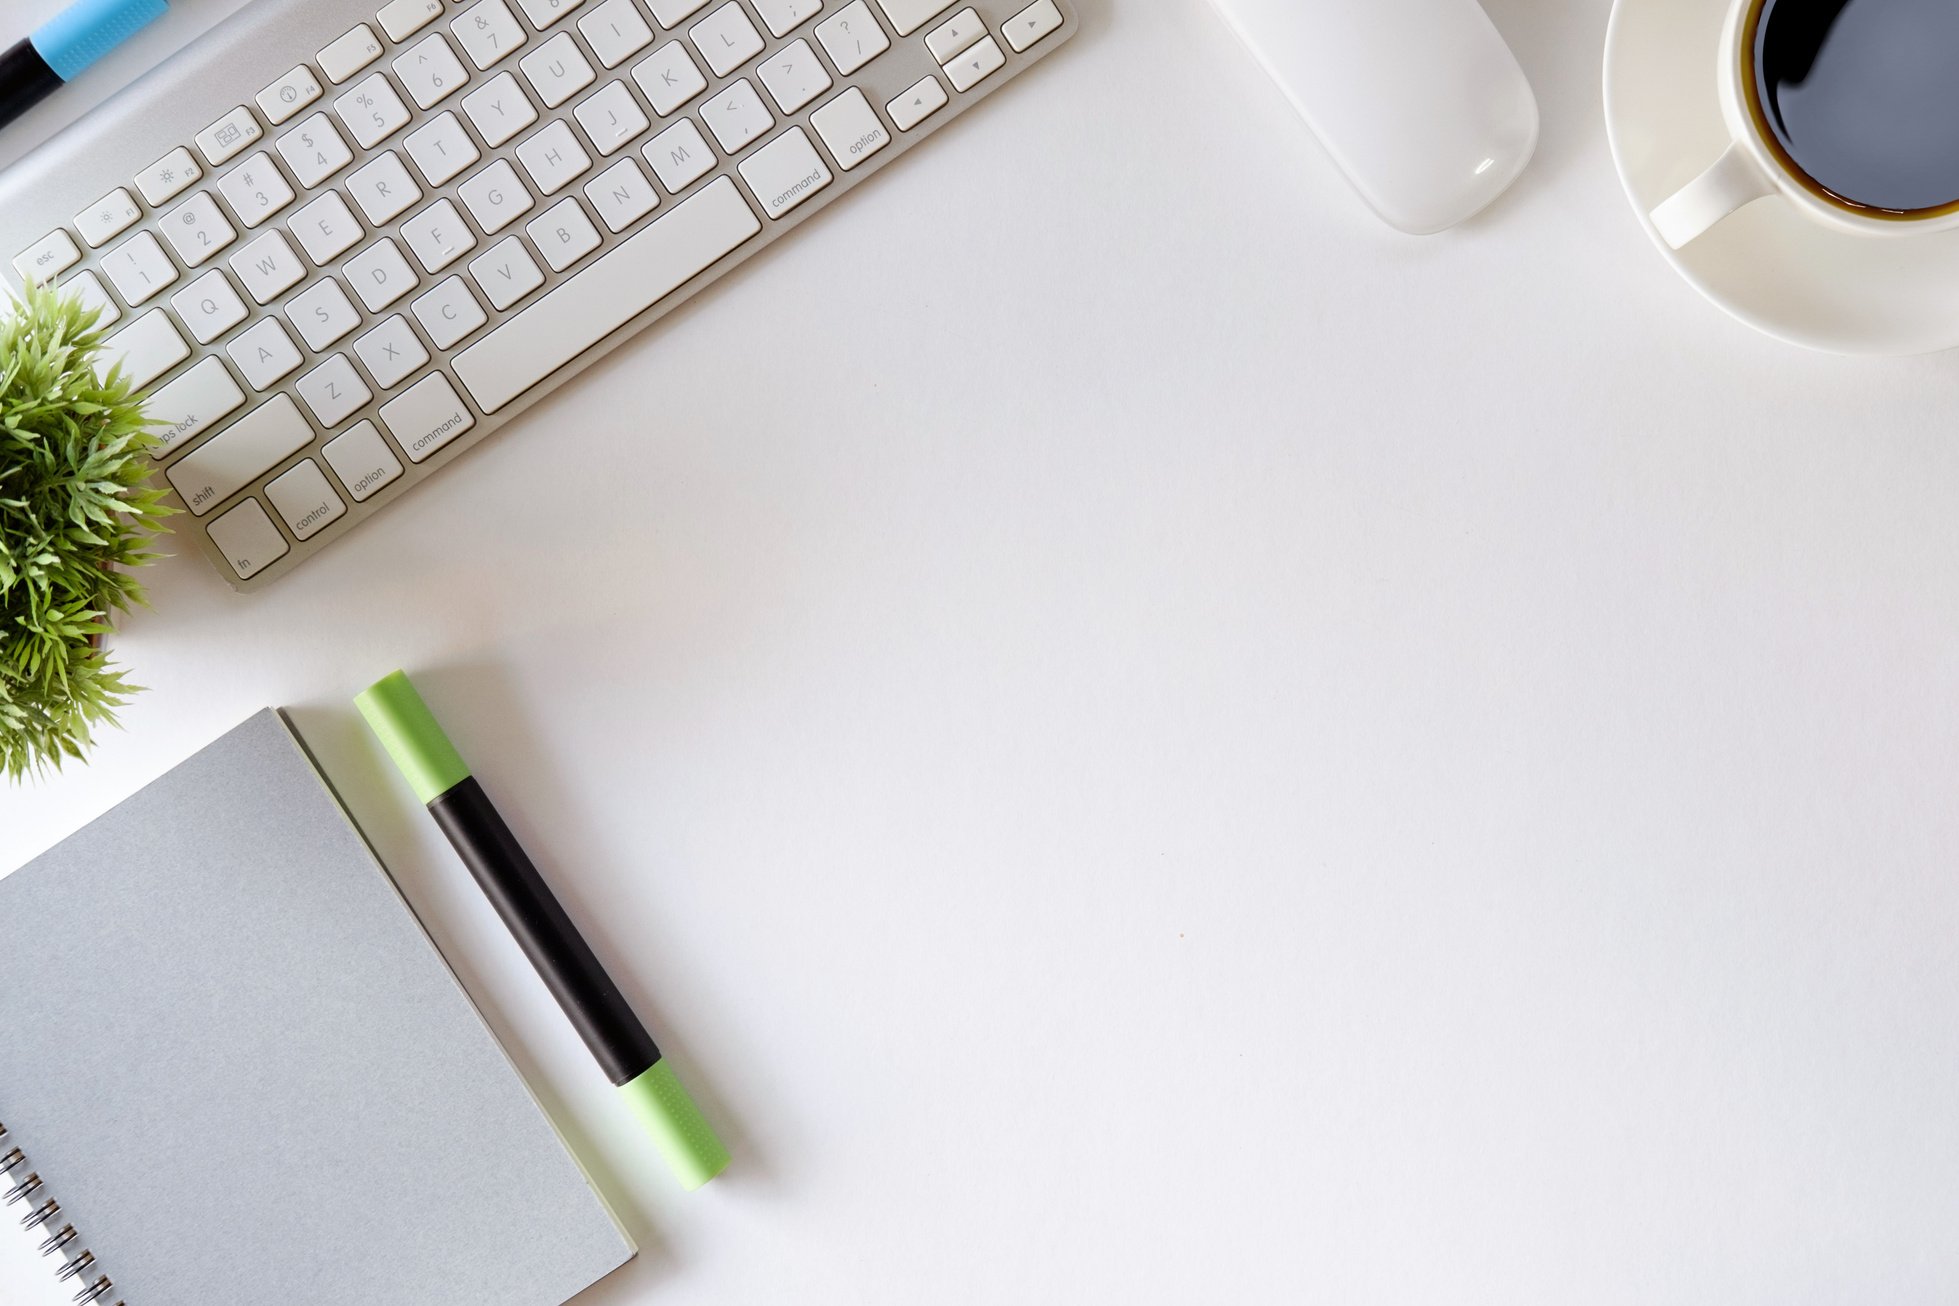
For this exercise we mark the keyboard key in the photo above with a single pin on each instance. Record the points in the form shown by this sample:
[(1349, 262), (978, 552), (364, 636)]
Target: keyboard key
[(255, 189), (950, 38), (169, 177), (265, 354), (351, 53), (229, 136), (426, 416), (268, 267), (852, 38), (669, 78), (305, 500), (48, 257), (784, 16), (850, 128), (391, 352), (190, 405), (495, 198), (615, 31), (557, 70), (737, 117), (380, 275), (612, 119), (139, 269), (108, 218), (488, 31), (543, 13), (197, 230), (917, 104), (563, 235), (907, 16), (87, 289), (209, 307), (500, 109), (679, 156), (314, 150), (248, 539), (362, 460), (607, 294), (323, 314), (726, 39), (976, 65), (1032, 25), (289, 95), (671, 12), (441, 149), (372, 111), (622, 195), (334, 391), (785, 172), (145, 349), (449, 312), (236, 456), (794, 76), (327, 228), (554, 158), (431, 72), (401, 19), (438, 236), (507, 273), (383, 189)]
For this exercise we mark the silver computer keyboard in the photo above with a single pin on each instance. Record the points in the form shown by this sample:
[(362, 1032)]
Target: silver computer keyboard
[(342, 244)]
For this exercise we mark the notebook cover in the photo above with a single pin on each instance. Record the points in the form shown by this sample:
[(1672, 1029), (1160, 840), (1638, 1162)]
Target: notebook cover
[(238, 1062)]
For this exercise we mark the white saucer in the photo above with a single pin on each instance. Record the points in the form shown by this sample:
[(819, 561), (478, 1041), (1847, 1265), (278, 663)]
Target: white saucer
[(1768, 265)]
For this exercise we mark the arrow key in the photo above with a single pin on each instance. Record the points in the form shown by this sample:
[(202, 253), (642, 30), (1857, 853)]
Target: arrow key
[(976, 65), (952, 37), (917, 104), (1033, 24)]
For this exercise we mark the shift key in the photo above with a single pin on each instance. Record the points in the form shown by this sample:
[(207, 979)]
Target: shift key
[(910, 15), (236, 456)]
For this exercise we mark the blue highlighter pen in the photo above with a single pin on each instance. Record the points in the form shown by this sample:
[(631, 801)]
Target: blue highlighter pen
[(66, 44)]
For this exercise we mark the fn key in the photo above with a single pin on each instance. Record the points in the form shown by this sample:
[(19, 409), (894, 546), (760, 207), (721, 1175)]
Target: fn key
[(248, 539)]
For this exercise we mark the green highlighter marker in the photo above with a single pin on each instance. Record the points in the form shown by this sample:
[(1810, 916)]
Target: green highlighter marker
[(625, 1051)]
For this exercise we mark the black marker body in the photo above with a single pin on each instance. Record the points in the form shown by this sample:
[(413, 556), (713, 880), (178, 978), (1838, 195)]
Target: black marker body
[(562, 957), (25, 81)]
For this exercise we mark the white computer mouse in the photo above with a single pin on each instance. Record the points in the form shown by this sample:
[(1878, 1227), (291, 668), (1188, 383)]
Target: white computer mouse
[(1419, 101)]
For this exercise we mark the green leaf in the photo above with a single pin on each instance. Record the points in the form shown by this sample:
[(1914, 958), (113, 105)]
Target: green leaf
[(77, 511)]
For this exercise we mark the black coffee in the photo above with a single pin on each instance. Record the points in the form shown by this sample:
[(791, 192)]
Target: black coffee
[(1863, 96)]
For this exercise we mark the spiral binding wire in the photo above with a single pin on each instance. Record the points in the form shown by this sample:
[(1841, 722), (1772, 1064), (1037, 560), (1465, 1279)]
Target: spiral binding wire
[(20, 1184)]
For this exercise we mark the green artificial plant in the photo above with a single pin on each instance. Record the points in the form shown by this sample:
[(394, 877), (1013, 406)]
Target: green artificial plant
[(77, 512)]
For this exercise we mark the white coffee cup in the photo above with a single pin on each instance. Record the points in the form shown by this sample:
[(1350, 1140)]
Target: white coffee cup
[(1754, 165)]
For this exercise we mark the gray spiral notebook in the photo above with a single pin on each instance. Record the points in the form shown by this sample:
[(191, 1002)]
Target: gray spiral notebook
[(233, 1067)]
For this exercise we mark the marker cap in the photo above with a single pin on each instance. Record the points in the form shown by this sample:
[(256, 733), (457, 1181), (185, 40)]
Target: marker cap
[(88, 29), (407, 729), (679, 1130)]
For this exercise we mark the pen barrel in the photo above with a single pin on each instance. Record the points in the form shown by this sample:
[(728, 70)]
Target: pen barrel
[(592, 1002), (25, 80)]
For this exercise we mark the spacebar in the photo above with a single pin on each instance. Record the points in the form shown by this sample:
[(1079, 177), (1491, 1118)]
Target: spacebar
[(604, 297)]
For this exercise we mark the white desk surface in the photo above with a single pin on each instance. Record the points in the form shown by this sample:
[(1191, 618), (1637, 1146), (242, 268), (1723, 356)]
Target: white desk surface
[(1143, 738)]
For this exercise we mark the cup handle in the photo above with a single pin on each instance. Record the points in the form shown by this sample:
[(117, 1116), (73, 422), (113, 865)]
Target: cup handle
[(1732, 181)]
